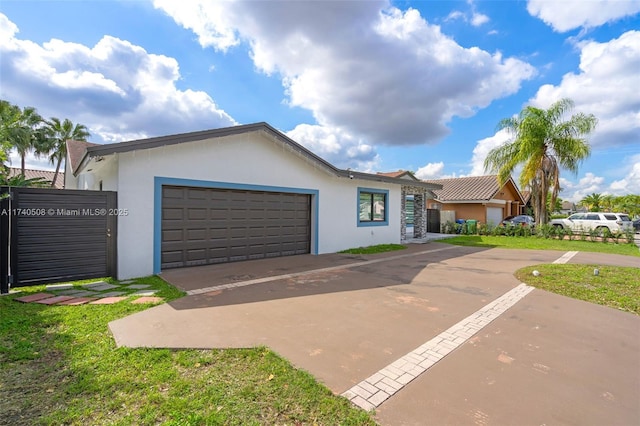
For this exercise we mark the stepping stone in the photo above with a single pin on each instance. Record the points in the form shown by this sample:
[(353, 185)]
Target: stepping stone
[(54, 300), (145, 293), (99, 286), (138, 286), (78, 301), (54, 287), (107, 301), (78, 293), (126, 282), (148, 300), (111, 294), (33, 297)]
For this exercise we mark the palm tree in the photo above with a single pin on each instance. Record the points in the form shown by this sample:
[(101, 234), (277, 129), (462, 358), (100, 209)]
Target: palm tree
[(9, 116), (25, 137), (543, 142), (57, 134), (20, 129), (592, 202), (607, 203)]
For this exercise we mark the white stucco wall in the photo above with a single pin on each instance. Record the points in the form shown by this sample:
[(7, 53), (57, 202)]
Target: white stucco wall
[(250, 159)]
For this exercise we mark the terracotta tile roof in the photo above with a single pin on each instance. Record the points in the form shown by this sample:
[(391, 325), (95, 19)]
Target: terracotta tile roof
[(398, 174), (471, 188), (75, 152), (32, 174)]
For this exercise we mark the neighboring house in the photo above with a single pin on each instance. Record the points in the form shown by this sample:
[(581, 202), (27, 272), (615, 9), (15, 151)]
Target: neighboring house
[(237, 193), (479, 198), (568, 207), (44, 174)]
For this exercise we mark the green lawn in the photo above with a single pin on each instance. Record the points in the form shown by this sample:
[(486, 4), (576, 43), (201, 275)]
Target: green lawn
[(59, 365), (380, 248), (534, 243), (614, 286)]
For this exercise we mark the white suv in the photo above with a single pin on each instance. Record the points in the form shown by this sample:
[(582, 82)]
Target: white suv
[(584, 222)]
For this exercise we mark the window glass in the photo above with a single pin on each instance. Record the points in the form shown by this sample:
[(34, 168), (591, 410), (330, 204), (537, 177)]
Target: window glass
[(610, 217), (365, 207), (593, 217), (409, 210), (378, 207), (624, 218), (372, 207), (576, 216)]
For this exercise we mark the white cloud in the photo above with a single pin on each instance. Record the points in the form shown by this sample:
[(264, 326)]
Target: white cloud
[(478, 19), (31, 161), (117, 89), (456, 14), (337, 147), (604, 87), (588, 184), (430, 171), (630, 183), (483, 147), (566, 15), (369, 69)]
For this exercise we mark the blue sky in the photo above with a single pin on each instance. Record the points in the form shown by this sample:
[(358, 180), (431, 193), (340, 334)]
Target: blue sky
[(371, 85)]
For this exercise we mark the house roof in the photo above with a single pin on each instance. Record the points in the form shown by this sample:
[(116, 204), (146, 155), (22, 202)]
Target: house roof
[(76, 151), (472, 188), (95, 151), (34, 174), (399, 174)]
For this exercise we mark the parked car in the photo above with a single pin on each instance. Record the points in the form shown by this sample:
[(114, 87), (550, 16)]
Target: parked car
[(585, 222), (519, 220), (636, 225)]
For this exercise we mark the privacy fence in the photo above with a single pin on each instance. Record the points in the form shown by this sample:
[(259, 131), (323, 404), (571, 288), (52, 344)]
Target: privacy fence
[(50, 235)]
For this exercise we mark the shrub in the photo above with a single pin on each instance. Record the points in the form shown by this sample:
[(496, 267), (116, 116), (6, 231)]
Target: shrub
[(483, 229), (546, 231), (449, 227), (629, 234), (569, 232)]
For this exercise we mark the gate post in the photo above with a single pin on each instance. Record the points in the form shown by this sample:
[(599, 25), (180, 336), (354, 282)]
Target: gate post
[(5, 241)]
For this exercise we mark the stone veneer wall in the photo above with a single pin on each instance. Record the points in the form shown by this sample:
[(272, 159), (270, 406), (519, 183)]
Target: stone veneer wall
[(419, 211)]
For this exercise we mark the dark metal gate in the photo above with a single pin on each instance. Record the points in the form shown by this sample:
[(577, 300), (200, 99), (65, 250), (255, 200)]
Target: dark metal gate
[(433, 220), (51, 235)]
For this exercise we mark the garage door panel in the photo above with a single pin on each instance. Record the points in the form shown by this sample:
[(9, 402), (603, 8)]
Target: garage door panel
[(197, 234), (197, 213), (494, 215), (169, 192), (208, 225), (172, 235)]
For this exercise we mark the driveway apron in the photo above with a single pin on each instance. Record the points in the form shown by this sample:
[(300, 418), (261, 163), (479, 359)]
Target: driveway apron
[(351, 317)]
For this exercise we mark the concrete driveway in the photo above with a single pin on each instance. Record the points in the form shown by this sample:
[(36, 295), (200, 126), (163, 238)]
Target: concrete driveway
[(416, 335)]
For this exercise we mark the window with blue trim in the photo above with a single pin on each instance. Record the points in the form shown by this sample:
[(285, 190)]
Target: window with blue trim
[(372, 207)]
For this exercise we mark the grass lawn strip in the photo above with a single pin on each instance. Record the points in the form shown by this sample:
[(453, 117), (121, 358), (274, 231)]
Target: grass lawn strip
[(616, 287), (533, 243), (380, 248), (59, 365)]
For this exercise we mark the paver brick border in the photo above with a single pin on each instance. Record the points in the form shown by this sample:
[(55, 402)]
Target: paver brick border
[(380, 386)]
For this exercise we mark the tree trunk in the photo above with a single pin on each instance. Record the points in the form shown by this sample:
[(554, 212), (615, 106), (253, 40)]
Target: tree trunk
[(55, 176), (22, 165)]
